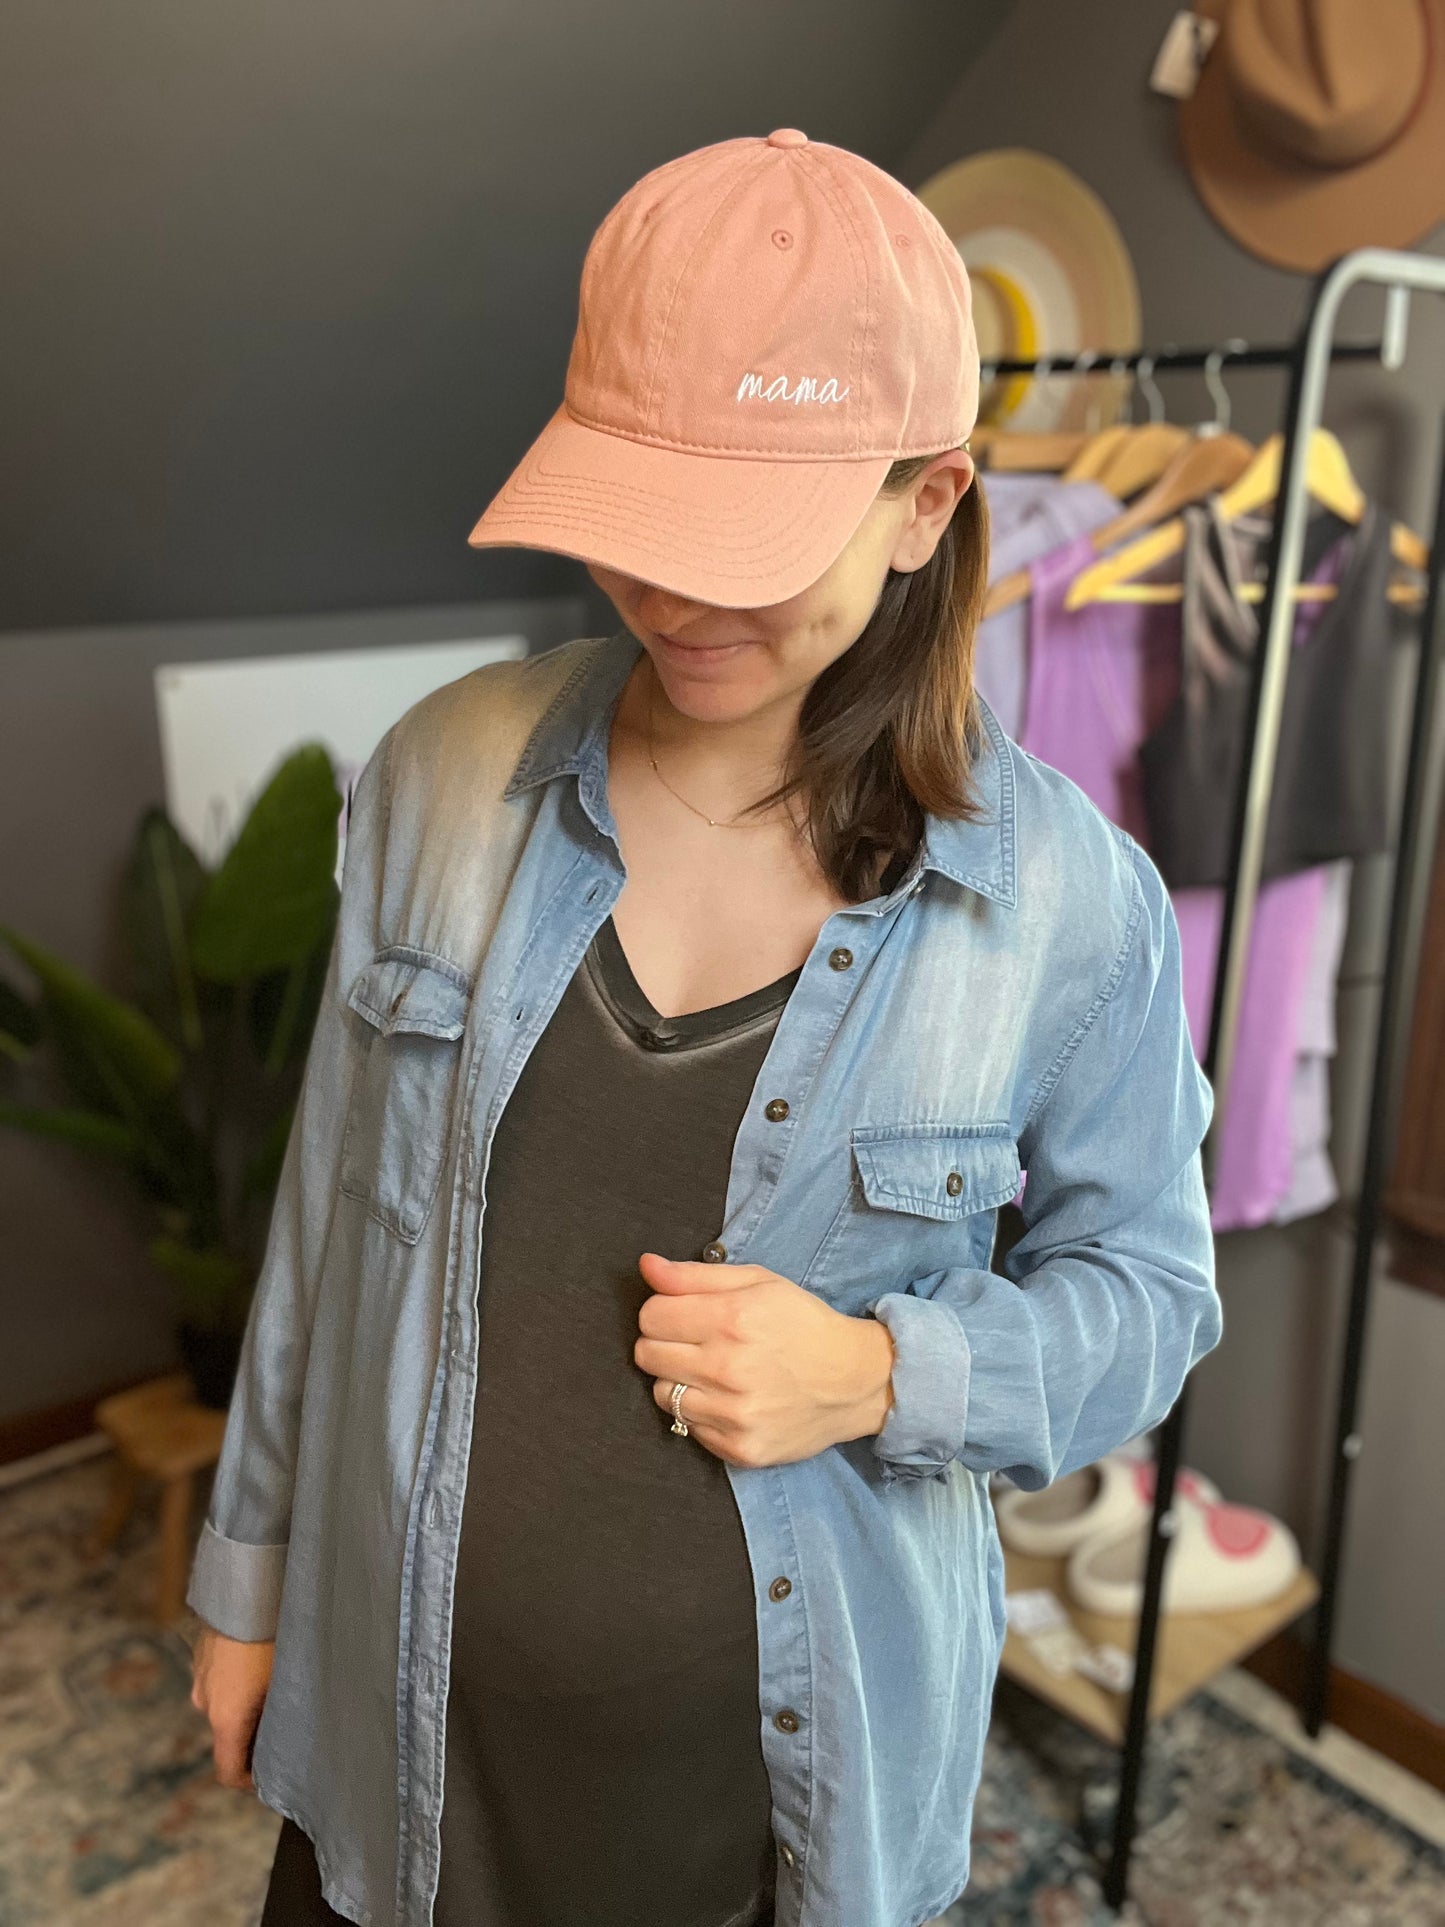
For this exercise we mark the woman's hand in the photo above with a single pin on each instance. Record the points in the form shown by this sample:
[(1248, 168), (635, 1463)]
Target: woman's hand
[(231, 1678), (772, 1373)]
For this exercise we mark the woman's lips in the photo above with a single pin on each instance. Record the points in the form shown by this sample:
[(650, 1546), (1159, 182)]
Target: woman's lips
[(698, 653)]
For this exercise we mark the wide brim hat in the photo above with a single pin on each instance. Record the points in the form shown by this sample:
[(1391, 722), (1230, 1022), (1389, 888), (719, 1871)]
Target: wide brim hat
[(1051, 275), (1312, 132)]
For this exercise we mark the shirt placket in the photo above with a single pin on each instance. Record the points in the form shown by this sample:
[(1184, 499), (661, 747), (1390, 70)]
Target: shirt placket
[(807, 1026), (506, 1036)]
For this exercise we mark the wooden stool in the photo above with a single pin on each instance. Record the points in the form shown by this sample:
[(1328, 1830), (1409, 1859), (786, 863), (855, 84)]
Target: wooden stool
[(160, 1430)]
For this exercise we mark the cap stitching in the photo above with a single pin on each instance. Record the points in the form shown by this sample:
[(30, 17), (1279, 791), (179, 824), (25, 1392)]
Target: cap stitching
[(780, 538), (725, 449), (683, 167), (654, 397), (841, 214)]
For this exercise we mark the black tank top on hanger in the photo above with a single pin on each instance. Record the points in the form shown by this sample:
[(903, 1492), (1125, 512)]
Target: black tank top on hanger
[(1329, 796)]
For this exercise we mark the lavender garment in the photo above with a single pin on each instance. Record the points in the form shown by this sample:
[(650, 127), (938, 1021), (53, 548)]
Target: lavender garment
[(1099, 679), (1313, 1184), (1029, 515)]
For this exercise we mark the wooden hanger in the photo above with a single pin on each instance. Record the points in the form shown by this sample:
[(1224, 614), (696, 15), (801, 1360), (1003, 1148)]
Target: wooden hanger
[(1013, 450), (1141, 458), (1096, 451), (1407, 594), (1203, 464), (1327, 476)]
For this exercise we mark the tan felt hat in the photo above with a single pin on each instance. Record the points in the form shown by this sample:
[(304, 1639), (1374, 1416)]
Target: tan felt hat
[(1050, 276), (1318, 126)]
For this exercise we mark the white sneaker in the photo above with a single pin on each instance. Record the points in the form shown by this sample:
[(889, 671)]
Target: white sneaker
[(1223, 1558), (1115, 1492)]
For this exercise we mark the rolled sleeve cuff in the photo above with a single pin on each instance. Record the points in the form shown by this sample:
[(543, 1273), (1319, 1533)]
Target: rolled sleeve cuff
[(235, 1587), (924, 1429)]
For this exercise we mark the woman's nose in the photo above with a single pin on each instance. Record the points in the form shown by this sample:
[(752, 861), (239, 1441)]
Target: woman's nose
[(665, 612)]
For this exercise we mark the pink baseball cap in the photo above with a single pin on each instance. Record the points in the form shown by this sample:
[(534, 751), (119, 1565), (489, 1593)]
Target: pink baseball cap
[(765, 326)]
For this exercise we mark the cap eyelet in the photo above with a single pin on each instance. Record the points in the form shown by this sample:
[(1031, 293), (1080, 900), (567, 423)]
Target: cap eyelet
[(782, 238), (903, 240)]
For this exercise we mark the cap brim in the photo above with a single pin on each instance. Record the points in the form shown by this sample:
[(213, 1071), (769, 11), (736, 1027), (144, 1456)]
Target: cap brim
[(723, 529)]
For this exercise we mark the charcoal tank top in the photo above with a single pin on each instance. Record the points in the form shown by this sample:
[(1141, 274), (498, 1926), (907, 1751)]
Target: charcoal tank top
[(1330, 794), (603, 1759)]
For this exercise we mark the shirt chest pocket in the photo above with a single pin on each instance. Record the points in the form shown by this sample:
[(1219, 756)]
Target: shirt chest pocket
[(920, 1197), (403, 1101)]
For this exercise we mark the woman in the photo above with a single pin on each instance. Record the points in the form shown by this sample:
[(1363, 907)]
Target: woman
[(732, 968)]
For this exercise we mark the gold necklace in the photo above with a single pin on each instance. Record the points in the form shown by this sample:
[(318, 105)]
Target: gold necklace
[(733, 823)]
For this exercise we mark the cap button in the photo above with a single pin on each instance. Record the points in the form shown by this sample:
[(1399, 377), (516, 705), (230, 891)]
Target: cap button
[(787, 137)]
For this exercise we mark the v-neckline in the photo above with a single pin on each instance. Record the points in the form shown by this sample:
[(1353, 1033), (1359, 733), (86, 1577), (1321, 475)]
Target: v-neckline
[(612, 974)]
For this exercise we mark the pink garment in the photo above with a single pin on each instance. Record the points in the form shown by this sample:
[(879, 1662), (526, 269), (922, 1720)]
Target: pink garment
[(1099, 680)]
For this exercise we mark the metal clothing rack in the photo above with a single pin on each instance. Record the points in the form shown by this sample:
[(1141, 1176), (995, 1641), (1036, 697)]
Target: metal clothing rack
[(1308, 360)]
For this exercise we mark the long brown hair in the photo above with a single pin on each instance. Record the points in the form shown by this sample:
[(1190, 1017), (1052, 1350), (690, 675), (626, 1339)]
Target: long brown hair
[(891, 728)]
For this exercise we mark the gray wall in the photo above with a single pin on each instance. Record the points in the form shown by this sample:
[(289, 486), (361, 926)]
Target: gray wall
[(1072, 82)]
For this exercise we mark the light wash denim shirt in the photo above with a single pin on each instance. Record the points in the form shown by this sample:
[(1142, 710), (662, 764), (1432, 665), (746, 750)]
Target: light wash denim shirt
[(1013, 1004)]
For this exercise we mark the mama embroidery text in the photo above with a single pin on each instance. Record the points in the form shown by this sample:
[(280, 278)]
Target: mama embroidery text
[(807, 388)]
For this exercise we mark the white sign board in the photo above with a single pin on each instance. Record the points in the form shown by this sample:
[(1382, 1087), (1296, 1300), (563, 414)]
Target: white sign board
[(226, 725)]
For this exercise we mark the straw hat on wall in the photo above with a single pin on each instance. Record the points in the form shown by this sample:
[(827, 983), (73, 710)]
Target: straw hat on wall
[(1050, 276), (1318, 126)]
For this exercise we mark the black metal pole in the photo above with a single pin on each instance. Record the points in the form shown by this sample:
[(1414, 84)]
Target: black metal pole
[(1131, 1765), (1168, 360), (1383, 1095), (1171, 1433)]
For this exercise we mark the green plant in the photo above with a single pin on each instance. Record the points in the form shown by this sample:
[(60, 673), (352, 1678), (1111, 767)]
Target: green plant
[(189, 1080)]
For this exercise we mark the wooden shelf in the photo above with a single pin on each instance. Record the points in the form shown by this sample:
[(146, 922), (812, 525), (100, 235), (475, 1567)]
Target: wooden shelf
[(1192, 1647)]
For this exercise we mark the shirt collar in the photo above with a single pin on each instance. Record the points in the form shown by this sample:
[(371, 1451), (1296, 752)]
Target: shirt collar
[(570, 738)]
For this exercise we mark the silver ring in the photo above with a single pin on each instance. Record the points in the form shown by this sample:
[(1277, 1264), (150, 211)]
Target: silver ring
[(679, 1423)]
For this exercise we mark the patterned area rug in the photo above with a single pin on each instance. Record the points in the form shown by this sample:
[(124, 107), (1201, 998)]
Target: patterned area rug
[(109, 1816)]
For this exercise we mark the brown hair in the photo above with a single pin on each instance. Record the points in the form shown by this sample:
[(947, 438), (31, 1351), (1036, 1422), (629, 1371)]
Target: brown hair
[(891, 728)]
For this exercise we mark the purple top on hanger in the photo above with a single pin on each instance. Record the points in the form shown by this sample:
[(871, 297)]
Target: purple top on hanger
[(1099, 680), (1029, 515)]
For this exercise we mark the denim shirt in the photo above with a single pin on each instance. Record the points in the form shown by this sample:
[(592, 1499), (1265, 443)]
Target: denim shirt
[(1013, 1004)]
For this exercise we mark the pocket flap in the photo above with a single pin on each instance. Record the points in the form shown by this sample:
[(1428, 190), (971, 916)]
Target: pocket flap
[(937, 1170), (407, 993)]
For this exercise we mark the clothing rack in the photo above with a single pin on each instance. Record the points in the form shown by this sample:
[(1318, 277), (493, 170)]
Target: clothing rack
[(1151, 361), (1308, 359)]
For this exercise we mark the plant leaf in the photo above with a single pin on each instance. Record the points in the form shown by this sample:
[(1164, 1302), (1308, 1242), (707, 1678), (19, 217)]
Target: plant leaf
[(273, 899), (264, 1171), (210, 1281), (20, 1025), (113, 1056), (163, 885), (86, 1130), (284, 1008)]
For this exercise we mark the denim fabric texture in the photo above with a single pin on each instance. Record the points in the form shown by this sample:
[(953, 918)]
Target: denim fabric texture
[(1013, 1005)]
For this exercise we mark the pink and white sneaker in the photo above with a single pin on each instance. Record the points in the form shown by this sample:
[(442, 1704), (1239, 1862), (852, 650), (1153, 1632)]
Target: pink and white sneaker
[(1112, 1494), (1224, 1558)]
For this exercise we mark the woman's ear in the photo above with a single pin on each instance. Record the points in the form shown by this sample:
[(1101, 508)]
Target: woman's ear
[(930, 505)]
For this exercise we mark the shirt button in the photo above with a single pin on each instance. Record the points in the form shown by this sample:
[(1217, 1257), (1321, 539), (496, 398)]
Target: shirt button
[(776, 1109), (953, 1184), (714, 1253), (786, 1721), (840, 959), (780, 1588), (786, 1853)]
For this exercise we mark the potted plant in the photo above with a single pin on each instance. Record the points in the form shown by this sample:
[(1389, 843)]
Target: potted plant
[(188, 1080)]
